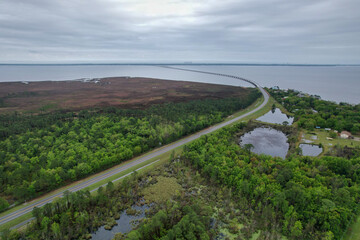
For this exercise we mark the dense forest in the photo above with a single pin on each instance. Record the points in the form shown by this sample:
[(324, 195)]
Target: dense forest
[(311, 112), (224, 190), (77, 214), (39, 153), (185, 215), (302, 197)]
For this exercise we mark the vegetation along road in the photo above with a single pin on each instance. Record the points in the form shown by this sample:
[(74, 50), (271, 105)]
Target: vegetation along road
[(26, 209)]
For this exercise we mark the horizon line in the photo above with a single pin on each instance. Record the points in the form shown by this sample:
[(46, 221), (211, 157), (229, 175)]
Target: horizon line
[(182, 63)]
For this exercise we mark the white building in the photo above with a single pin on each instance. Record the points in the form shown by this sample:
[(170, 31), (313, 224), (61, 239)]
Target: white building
[(345, 134)]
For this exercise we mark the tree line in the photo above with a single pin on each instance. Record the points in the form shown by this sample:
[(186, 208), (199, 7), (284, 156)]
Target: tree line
[(39, 153), (311, 112)]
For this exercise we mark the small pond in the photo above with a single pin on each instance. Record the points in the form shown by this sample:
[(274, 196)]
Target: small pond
[(266, 141), (276, 116), (310, 150), (124, 224)]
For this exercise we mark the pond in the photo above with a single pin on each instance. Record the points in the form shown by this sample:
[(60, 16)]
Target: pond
[(124, 224), (310, 149), (276, 116), (266, 141)]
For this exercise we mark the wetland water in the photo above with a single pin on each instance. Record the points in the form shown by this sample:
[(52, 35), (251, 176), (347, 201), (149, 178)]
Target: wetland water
[(124, 224), (276, 117), (266, 141), (310, 150)]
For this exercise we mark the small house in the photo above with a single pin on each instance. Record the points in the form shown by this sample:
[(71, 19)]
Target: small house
[(301, 95), (345, 134)]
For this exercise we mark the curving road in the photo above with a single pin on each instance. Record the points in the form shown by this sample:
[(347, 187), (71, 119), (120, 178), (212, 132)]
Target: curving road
[(155, 153)]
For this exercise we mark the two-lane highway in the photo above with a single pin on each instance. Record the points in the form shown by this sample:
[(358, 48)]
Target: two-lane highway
[(155, 153)]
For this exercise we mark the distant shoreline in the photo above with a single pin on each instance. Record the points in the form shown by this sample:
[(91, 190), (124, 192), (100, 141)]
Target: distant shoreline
[(178, 64), (332, 82)]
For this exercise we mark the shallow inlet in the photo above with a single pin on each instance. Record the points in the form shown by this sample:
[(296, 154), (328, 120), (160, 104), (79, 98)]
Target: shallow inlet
[(276, 117), (310, 150), (266, 141), (124, 224)]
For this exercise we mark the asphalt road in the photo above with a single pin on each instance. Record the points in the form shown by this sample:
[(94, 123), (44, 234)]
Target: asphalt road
[(82, 185)]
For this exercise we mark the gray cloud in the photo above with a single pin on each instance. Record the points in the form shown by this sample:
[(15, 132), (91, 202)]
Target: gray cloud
[(267, 31)]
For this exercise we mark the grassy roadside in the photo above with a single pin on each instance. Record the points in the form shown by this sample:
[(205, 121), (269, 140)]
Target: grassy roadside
[(73, 184), (15, 222), (258, 113), (77, 182), (353, 232), (246, 110), (162, 158)]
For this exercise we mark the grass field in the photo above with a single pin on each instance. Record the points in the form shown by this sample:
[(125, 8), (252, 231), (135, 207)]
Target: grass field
[(328, 143), (124, 92), (162, 191)]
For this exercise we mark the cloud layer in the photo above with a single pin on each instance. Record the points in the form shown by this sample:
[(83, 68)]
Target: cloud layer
[(258, 31)]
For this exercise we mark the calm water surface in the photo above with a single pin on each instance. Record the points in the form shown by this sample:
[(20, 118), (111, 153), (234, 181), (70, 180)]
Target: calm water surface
[(124, 225), (266, 141), (336, 83), (70, 72), (310, 150), (276, 117)]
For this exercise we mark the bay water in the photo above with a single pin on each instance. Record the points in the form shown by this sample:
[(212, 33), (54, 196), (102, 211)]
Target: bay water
[(334, 83)]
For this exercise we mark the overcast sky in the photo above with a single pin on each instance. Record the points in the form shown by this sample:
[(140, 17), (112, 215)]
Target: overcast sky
[(242, 31)]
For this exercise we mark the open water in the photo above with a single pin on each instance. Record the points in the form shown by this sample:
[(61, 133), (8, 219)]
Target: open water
[(335, 83), (124, 224), (310, 150), (266, 141), (276, 116)]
